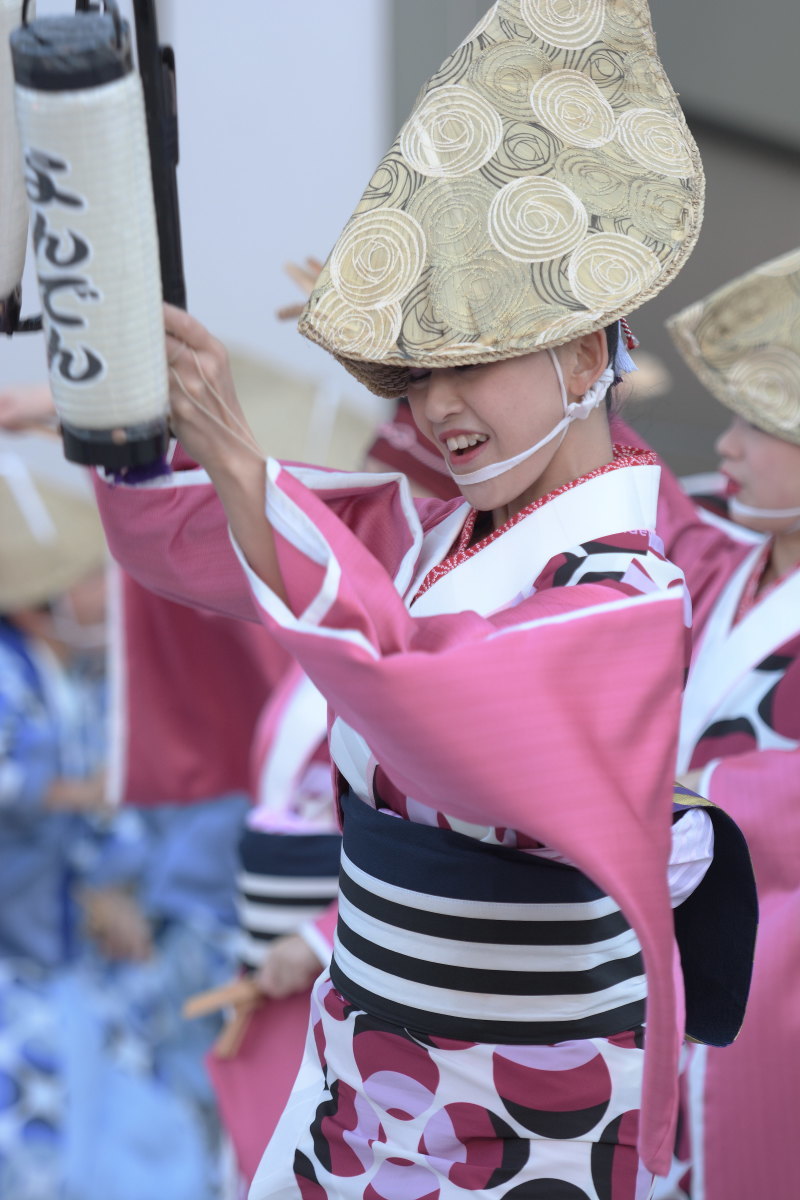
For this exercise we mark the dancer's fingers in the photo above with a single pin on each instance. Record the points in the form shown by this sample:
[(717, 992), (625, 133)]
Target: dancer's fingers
[(300, 276), (183, 327), (290, 312), (175, 349)]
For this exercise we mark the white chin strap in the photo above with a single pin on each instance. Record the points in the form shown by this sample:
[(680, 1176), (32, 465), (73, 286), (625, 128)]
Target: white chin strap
[(737, 509), (578, 410)]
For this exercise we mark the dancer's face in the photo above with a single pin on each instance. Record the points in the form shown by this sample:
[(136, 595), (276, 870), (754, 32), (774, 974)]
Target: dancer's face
[(485, 414), (762, 471)]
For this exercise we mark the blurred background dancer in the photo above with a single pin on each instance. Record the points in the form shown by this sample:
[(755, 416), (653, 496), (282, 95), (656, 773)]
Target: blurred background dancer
[(740, 738)]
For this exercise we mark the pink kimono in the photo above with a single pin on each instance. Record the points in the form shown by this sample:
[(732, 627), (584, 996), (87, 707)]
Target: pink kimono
[(188, 690), (741, 725), (505, 715)]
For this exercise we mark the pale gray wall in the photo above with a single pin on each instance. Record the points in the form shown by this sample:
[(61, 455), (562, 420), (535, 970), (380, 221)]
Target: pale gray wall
[(423, 32), (735, 61)]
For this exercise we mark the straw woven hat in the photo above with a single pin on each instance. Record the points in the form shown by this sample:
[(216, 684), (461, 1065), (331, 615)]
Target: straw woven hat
[(50, 534), (294, 419), (544, 185), (743, 343)]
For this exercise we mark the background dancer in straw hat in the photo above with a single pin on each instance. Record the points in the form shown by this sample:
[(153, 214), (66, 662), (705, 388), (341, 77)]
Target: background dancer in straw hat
[(67, 864), (740, 733), (504, 672)]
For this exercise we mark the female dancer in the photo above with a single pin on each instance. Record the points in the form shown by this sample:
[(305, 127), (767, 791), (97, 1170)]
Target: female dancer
[(740, 730), (504, 672)]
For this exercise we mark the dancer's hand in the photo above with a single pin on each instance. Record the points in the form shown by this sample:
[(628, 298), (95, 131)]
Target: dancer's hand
[(205, 412), (84, 796), (25, 406), (208, 419), (290, 966), (116, 924), (305, 276)]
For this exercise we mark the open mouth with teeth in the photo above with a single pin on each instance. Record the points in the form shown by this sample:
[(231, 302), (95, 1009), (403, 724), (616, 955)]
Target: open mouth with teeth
[(463, 443)]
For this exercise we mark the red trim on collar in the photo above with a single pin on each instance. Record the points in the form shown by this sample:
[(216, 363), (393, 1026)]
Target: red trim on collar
[(753, 593), (624, 456)]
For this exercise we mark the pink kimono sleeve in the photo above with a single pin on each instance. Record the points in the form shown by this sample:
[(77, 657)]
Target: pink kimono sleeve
[(171, 536), (761, 791), (189, 689)]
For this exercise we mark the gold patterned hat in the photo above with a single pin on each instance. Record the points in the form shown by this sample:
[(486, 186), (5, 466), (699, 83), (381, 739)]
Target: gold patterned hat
[(545, 185), (743, 343)]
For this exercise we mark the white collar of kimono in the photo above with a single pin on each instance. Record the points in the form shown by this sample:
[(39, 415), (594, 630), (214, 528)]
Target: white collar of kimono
[(300, 727), (504, 571), (730, 650), (578, 410), (737, 509)]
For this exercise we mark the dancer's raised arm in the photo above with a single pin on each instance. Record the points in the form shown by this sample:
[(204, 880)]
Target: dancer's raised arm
[(208, 420)]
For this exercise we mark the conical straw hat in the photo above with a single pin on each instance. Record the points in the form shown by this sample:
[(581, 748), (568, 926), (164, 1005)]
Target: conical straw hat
[(293, 417), (50, 534), (743, 343), (544, 185)]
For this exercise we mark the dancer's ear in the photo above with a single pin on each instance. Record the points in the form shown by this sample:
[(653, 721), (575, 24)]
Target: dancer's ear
[(583, 362)]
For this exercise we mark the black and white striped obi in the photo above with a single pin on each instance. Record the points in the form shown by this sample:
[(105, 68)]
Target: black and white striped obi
[(285, 880), (471, 941)]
